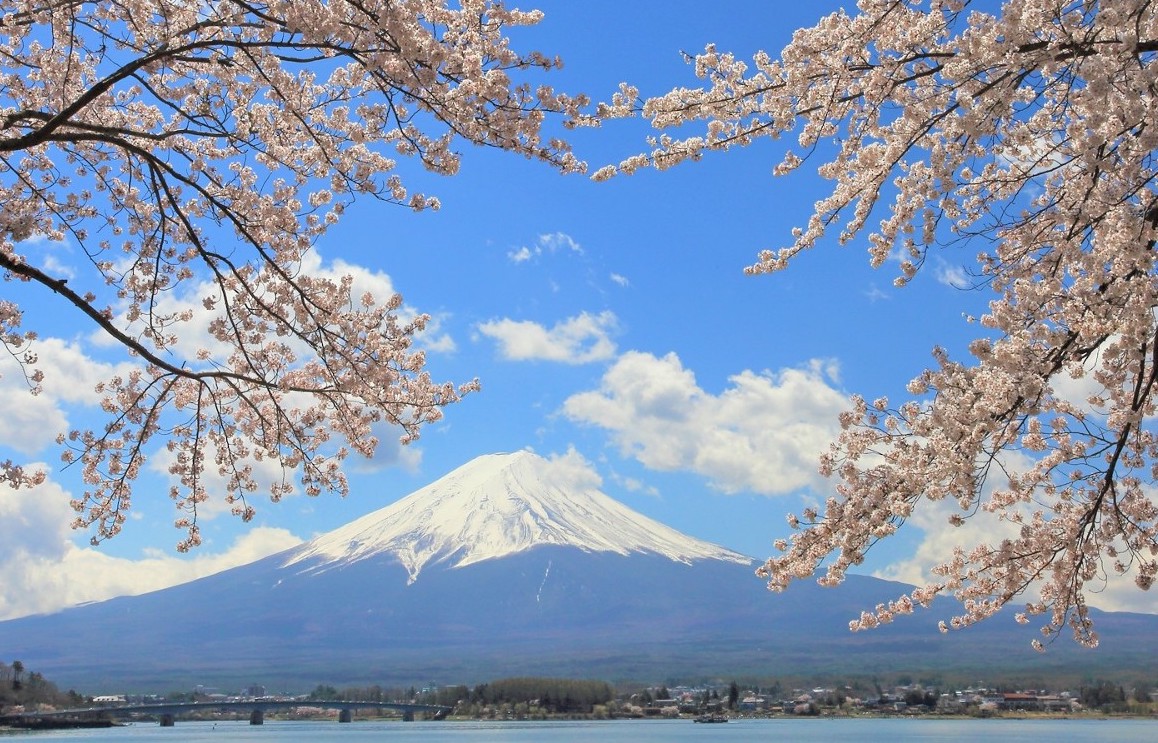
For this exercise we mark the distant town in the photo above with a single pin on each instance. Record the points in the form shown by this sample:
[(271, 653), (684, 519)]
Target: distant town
[(25, 694)]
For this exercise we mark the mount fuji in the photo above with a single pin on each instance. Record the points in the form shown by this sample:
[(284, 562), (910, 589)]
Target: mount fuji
[(497, 506), (514, 565)]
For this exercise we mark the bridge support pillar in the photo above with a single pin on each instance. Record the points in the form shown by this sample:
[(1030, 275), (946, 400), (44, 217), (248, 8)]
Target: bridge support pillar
[(257, 717), (345, 715), (166, 721), (408, 715)]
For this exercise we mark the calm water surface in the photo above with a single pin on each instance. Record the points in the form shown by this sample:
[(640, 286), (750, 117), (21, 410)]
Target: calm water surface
[(625, 731)]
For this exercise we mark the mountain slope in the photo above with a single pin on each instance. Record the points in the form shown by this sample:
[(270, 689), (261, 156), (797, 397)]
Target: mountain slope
[(509, 566)]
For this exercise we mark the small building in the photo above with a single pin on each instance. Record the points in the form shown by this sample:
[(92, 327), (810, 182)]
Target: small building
[(109, 699), (751, 703)]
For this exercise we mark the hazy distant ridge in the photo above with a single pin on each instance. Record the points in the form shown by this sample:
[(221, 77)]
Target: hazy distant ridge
[(514, 565)]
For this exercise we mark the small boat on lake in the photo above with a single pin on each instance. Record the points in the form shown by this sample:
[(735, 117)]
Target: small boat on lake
[(710, 718)]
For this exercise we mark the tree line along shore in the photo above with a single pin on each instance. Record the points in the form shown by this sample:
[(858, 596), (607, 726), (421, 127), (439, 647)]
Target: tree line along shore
[(539, 698)]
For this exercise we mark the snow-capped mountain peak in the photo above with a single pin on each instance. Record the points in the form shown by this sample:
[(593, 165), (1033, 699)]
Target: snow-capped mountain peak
[(501, 504)]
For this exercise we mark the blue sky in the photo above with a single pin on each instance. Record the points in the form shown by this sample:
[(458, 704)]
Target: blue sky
[(612, 320)]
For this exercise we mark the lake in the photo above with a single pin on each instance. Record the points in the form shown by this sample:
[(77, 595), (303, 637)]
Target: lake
[(886, 730)]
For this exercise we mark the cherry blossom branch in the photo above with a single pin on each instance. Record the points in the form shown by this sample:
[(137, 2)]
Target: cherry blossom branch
[(154, 132), (1030, 131)]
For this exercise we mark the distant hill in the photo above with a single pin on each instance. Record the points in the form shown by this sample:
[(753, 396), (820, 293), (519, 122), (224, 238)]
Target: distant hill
[(505, 568)]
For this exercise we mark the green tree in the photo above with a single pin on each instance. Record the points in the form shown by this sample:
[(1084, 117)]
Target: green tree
[(22, 686), (551, 695), (1104, 695), (915, 698)]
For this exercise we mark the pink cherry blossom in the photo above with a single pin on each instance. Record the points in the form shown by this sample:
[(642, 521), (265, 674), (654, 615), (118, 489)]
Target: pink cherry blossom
[(185, 144), (1030, 136)]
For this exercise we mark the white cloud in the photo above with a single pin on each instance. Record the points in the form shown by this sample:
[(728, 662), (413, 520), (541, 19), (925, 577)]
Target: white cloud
[(390, 452), (576, 340), (44, 571), (1036, 157), (268, 471), (559, 241), (620, 280), (49, 254), (633, 485), (1120, 593), (520, 255), (194, 335), (938, 539), (953, 276), (573, 470), (550, 243), (1077, 391), (31, 422), (1112, 593), (433, 338), (265, 472), (764, 434)]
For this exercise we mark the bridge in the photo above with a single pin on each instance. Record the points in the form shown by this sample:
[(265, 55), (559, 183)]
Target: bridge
[(167, 713)]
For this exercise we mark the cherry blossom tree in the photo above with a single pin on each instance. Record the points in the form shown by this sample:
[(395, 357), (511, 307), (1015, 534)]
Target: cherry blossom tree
[(1027, 130), (201, 147)]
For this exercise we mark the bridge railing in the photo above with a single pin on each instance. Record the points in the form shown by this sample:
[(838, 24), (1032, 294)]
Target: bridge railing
[(167, 712)]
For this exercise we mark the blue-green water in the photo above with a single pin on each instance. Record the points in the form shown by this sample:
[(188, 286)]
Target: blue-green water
[(626, 731)]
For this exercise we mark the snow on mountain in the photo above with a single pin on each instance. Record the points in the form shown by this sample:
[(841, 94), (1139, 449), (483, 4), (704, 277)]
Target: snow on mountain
[(498, 505)]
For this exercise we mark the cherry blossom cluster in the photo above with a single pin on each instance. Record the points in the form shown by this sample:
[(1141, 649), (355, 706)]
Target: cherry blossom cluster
[(1028, 135), (187, 145)]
